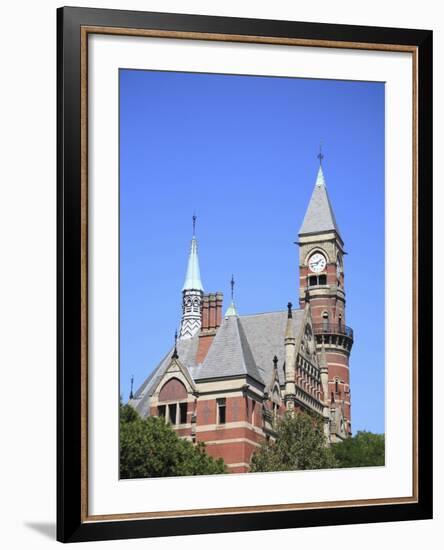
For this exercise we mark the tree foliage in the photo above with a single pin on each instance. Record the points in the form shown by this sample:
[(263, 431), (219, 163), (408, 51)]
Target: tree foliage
[(364, 449), (300, 445), (149, 447)]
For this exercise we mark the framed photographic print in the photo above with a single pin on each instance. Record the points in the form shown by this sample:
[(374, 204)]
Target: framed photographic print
[(244, 274)]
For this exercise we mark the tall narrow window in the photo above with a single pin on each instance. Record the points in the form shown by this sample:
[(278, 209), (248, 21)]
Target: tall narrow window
[(221, 410), (161, 411), (172, 412), (183, 408), (336, 386), (332, 397), (325, 321)]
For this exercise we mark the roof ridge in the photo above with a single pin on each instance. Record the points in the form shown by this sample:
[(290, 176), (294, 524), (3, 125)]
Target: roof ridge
[(296, 310)]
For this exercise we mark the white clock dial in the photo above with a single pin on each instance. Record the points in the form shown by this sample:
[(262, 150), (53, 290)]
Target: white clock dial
[(317, 263)]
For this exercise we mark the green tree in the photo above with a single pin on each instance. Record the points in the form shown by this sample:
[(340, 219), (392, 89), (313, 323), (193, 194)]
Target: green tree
[(364, 449), (300, 445), (149, 447)]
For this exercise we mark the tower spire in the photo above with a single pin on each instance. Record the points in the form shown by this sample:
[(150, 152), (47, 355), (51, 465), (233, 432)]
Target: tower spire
[(192, 277), (192, 292), (319, 216)]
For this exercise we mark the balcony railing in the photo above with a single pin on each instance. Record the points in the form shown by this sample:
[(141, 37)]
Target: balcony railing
[(333, 328)]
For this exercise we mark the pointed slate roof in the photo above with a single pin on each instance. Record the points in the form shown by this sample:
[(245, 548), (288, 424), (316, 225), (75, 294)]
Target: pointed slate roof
[(192, 278), (319, 216), (229, 355), (265, 333)]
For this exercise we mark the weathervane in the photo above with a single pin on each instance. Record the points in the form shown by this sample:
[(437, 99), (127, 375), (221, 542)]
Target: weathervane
[(320, 156), (232, 287), (194, 223)]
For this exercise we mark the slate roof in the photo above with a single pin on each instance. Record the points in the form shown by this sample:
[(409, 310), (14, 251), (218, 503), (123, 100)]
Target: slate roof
[(265, 333), (243, 345), (229, 355), (319, 215)]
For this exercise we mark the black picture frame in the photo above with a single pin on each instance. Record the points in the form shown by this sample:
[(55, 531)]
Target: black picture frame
[(71, 525)]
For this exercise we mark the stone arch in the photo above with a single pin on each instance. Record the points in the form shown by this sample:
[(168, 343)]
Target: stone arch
[(173, 390)]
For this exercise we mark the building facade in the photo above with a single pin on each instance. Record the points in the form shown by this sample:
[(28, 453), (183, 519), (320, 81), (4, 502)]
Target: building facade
[(230, 376)]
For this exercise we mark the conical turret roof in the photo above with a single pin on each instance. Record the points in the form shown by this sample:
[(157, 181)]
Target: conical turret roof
[(192, 278), (319, 216)]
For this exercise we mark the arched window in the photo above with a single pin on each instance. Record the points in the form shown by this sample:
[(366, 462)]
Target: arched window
[(175, 409), (325, 321)]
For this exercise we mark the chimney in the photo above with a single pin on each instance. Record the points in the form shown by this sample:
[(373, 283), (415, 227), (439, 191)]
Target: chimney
[(211, 311), (211, 321)]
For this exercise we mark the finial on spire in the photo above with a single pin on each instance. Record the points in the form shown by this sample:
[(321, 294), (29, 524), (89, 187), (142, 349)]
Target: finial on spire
[(290, 313), (131, 395), (275, 362), (320, 156), (194, 224), (175, 354), (231, 311)]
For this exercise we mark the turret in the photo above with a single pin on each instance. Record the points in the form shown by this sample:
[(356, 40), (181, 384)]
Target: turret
[(321, 284), (192, 293)]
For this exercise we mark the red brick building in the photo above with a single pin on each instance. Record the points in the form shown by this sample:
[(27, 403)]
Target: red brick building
[(229, 376)]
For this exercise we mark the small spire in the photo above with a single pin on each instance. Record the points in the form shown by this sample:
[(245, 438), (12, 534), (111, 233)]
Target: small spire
[(290, 313), (231, 311), (131, 395), (275, 362), (192, 277), (175, 354), (320, 180)]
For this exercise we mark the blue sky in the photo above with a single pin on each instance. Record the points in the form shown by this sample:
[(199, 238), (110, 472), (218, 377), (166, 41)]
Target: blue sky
[(240, 151)]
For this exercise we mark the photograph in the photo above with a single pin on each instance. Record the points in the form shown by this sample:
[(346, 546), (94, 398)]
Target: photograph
[(251, 273)]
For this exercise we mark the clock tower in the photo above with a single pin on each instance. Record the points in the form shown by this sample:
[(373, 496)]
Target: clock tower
[(321, 285)]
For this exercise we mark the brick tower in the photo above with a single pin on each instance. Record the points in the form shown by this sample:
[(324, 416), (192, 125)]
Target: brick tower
[(321, 270)]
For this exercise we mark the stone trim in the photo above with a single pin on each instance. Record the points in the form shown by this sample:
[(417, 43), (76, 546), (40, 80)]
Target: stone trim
[(234, 440)]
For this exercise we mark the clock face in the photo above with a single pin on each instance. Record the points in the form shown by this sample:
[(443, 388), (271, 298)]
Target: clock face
[(317, 263)]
